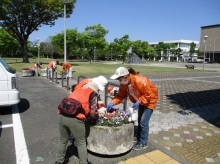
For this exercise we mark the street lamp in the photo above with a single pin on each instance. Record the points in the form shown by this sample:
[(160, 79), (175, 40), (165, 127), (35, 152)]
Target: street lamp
[(64, 15), (111, 53), (38, 49), (205, 37)]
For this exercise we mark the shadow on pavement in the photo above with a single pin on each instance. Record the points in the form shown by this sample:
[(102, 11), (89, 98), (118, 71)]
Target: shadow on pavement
[(6, 110), (23, 105), (205, 104)]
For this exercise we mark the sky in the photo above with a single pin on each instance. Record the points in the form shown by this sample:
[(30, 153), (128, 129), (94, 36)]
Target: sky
[(146, 20)]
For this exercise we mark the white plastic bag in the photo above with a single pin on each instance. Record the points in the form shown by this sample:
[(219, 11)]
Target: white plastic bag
[(134, 114)]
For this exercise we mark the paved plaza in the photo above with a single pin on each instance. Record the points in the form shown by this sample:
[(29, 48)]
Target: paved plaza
[(186, 122)]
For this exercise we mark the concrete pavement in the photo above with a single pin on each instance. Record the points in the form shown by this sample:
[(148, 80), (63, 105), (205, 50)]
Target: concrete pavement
[(186, 123)]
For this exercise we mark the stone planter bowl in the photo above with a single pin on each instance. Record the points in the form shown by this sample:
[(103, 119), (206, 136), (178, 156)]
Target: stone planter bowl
[(110, 140), (27, 73)]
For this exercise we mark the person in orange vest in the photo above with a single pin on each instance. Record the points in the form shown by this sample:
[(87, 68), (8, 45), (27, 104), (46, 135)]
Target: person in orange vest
[(87, 96), (35, 68), (52, 66), (143, 93), (112, 90), (101, 81), (66, 68)]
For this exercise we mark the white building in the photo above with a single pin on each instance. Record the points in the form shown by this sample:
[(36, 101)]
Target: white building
[(184, 45)]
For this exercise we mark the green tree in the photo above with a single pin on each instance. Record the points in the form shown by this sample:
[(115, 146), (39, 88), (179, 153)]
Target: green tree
[(192, 49), (159, 48), (151, 53), (140, 48), (122, 45), (8, 45), (71, 42), (94, 38), (21, 18)]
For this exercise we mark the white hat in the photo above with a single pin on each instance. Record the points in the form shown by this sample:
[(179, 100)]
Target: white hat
[(101, 81), (121, 71), (93, 86)]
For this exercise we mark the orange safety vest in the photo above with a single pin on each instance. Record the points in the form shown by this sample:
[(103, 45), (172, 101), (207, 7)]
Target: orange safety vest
[(82, 95), (82, 83), (50, 65), (66, 66), (34, 66)]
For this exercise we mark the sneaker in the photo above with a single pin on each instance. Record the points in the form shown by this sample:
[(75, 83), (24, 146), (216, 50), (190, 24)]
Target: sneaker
[(139, 146)]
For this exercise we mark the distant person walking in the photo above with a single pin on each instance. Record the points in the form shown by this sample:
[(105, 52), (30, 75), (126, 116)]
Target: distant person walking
[(143, 93)]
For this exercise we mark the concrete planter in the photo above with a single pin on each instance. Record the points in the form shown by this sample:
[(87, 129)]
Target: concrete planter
[(110, 140), (27, 73)]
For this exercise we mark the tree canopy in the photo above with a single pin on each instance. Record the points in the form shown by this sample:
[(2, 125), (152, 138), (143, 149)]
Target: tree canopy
[(22, 17)]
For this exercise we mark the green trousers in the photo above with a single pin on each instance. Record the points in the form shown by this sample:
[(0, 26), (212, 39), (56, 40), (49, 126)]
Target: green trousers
[(75, 126)]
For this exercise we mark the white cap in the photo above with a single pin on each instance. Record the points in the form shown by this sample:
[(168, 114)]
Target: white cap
[(101, 81), (93, 86), (121, 71)]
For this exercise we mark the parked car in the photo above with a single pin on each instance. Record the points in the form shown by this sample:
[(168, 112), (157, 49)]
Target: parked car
[(9, 93)]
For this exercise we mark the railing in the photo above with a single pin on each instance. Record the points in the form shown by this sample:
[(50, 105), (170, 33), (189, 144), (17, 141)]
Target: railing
[(108, 96)]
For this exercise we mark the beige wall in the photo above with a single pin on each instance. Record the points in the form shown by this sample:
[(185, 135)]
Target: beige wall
[(213, 40)]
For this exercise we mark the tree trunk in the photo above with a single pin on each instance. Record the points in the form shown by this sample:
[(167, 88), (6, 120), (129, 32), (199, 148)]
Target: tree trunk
[(23, 44), (90, 56)]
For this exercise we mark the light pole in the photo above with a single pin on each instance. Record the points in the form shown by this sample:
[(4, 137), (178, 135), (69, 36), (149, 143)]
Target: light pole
[(205, 37), (64, 15), (111, 53), (38, 49)]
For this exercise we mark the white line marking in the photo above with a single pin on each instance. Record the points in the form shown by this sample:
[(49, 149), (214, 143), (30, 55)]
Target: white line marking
[(184, 78), (20, 144), (6, 126)]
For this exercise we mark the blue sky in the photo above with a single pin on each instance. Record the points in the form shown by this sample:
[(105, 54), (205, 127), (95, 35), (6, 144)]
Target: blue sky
[(146, 20)]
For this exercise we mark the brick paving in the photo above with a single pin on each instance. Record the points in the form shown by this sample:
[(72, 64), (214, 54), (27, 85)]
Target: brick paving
[(186, 122)]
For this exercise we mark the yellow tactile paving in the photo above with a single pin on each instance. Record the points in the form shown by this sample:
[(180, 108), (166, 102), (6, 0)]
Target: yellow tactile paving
[(154, 157)]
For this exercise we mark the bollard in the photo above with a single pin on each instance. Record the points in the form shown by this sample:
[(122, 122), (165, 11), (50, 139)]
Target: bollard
[(56, 78), (67, 81), (80, 78), (62, 79), (47, 72), (52, 75)]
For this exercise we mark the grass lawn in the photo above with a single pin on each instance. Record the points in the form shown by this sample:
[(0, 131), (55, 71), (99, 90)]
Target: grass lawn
[(95, 68)]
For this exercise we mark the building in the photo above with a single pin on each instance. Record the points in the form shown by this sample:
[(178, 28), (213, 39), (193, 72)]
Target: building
[(210, 43), (184, 45)]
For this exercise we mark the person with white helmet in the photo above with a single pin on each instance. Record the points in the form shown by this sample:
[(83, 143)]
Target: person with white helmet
[(101, 81)]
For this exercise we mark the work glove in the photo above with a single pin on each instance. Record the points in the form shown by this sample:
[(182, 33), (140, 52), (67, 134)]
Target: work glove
[(109, 107), (136, 105)]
